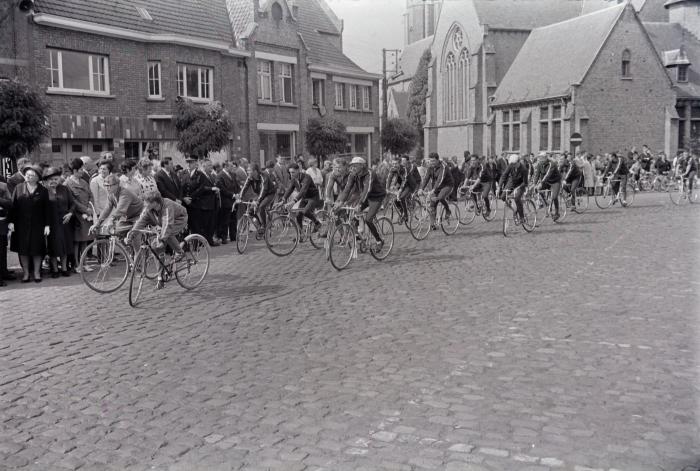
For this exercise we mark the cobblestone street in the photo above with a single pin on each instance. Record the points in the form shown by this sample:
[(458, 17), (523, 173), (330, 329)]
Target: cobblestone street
[(571, 348)]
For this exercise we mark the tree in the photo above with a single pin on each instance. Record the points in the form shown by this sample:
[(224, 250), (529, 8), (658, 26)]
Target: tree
[(325, 136), (201, 129), (399, 136), (418, 93), (23, 119)]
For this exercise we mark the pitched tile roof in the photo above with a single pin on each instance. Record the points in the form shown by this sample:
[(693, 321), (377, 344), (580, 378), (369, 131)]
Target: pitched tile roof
[(204, 19), (555, 56), (401, 100), (314, 24), (530, 14), (410, 57), (241, 13), (672, 36)]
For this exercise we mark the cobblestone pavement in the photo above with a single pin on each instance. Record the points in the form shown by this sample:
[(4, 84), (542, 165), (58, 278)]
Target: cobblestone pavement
[(570, 348)]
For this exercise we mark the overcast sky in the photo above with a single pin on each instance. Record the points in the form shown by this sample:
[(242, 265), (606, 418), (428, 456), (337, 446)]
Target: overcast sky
[(370, 25)]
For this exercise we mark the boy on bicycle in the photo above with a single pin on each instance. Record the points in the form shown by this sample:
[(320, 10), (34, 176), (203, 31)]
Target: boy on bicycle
[(169, 215)]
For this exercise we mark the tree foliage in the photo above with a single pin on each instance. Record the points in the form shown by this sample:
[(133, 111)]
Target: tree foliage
[(399, 136), (23, 119), (418, 93), (201, 129), (325, 136)]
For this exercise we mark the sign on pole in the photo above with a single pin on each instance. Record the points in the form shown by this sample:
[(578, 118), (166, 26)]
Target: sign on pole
[(576, 139)]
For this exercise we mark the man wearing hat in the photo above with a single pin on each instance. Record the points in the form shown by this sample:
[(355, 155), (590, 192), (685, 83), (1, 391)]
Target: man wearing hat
[(364, 182)]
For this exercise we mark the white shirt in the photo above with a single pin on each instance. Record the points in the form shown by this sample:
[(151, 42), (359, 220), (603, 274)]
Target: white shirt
[(316, 175)]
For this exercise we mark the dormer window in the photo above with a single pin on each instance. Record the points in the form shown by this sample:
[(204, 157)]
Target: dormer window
[(626, 63), (682, 73), (276, 11)]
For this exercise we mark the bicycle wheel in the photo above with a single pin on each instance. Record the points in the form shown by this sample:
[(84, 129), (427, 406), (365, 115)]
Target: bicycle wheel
[(507, 219), (581, 200), (193, 268), (693, 195), (529, 222), (242, 234), (341, 248), (386, 232), (449, 223), (678, 194), (493, 203), (419, 227), (139, 283), (467, 212), (605, 198), (282, 235), (562, 208), (631, 193), (110, 269), (317, 237)]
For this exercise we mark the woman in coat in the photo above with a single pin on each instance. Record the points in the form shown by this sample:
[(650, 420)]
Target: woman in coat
[(61, 210), (29, 222), (82, 217)]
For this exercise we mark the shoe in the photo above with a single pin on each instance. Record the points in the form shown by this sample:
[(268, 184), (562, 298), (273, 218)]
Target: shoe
[(2, 282), (38, 280), (160, 284), (8, 276), (55, 274), (317, 226), (224, 241), (178, 257), (379, 246), (26, 280), (65, 273), (214, 243)]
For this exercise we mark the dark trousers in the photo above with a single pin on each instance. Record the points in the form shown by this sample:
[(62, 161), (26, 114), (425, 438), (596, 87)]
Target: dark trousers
[(484, 188), (201, 222), (227, 223), (374, 206), (308, 205), (3, 256)]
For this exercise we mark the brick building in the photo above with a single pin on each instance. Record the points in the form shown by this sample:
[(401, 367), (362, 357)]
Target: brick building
[(112, 70), (597, 74)]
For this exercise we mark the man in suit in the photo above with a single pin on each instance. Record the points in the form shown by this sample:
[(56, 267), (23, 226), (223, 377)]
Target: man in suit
[(280, 175), (168, 182), (17, 177), (204, 194), (5, 204), (228, 188)]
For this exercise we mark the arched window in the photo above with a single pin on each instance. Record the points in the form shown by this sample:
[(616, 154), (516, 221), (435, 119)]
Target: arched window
[(455, 93), (276, 11), (626, 63)]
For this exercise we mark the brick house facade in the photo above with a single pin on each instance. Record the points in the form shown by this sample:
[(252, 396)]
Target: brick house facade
[(604, 80)]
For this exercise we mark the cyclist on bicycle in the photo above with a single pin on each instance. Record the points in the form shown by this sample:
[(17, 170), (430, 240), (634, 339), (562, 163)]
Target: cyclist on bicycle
[(306, 193), (165, 213), (548, 177), (439, 173), (337, 179), (122, 205), (515, 178), (572, 178), (617, 170), (408, 179), (691, 169), (262, 183), (481, 182), (365, 183)]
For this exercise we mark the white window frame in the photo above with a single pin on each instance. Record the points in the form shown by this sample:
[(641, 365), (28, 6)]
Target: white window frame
[(352, 99), (205, 76), (339, 97), (366, 100), (267, 75), (286, 73), (154, 65), (103, 61)]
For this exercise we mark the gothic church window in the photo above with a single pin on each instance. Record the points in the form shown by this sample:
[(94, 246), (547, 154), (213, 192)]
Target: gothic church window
[(455, 78)]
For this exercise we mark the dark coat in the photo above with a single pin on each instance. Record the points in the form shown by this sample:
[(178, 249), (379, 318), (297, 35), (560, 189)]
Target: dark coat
[(200, 190), (60, 240), (229, 187), (5, 205), (30, 214), (14, 180), (169, 185)]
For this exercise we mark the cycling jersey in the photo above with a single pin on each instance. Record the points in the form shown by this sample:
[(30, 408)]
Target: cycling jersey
[(442, 177), (366, 184), (547, 172), (406, 178), (514, 176), (304, 185), (334, 178)]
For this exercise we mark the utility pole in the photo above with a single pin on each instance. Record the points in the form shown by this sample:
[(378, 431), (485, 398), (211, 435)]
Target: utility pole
[(385, 81)]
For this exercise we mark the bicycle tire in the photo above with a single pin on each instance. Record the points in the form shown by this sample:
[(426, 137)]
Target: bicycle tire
[(278, 231), (530, 212), (468, 215), (506, 210), (581, 199), (106, 270), (386, 231), (342, 246), (493, 203), (631, 193), (605, 198), (678, 195), (242, 234), (316, 238), (562, 209), (138, 278), (450, 224), (196, 250), (420, 225)]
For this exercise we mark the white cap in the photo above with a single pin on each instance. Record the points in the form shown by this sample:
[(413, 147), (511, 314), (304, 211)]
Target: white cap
[(542, 154), (513, 158), (358, 160)]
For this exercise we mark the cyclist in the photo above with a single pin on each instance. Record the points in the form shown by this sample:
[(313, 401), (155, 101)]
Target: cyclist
[(336, 179), (306, 193), (617, 170), (122, 205), (548, 177), (572, 178), (170, 216), (515, 178), (365, 183), (480, 177), (439, 173), (408, 179), (262, 184), (691, 169)]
